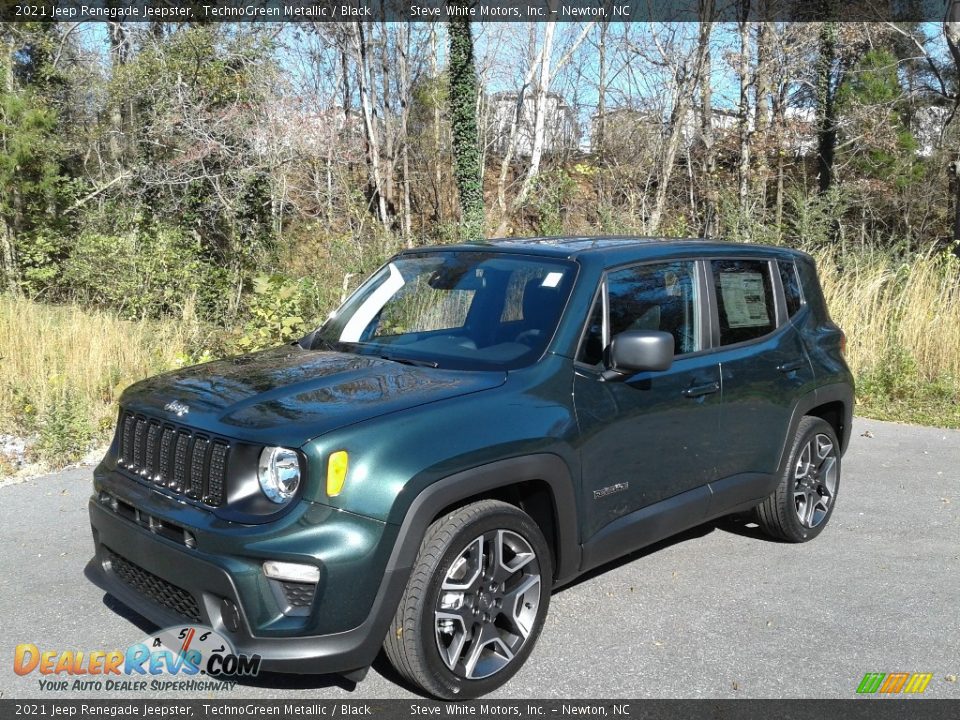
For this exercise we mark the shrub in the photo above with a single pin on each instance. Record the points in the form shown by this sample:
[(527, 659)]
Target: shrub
[(146, 273), (277, 311), (65, 430)]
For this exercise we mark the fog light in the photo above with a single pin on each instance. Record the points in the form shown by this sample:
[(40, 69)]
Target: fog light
[(291, 572), (109, 500), (230, 615)]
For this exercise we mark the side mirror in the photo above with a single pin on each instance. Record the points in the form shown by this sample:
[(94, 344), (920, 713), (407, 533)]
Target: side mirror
[(636, 351)]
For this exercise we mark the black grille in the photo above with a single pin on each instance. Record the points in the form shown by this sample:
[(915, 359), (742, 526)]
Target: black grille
[(174, 457), (153, 587), (299, 595)]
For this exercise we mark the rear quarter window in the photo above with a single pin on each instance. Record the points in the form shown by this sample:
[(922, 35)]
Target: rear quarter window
[(791, 286), (745, 300)]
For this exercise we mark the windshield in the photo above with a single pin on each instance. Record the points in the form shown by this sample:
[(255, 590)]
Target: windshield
[(464, 310)]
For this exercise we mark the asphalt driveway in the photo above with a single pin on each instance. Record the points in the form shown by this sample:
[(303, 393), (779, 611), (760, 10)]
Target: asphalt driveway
[(719, 612)]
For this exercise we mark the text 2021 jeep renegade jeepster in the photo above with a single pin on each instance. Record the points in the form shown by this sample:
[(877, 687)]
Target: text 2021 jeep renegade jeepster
[(475, 426)]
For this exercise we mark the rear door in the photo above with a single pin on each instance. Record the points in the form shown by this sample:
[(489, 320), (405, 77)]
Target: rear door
[(763, 364)]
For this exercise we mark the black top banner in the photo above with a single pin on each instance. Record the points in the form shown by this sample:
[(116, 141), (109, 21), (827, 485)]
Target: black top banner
[(475, 10)]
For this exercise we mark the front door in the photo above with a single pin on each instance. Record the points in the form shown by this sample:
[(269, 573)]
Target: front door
[(654, 435)]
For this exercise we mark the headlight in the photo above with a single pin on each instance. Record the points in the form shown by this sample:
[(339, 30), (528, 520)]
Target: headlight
[(279, 473)]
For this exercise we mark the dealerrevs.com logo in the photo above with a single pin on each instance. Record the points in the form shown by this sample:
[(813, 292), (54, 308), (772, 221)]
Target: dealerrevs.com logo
[(188, 658)]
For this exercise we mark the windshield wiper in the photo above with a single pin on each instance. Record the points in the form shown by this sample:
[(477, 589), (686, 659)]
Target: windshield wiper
[(410, 361)]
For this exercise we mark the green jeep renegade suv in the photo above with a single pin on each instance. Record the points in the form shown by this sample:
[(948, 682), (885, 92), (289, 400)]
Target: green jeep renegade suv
[(475, 426)]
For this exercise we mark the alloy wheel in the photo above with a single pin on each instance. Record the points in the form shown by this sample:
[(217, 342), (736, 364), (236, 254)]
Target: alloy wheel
[(815, 480), (487, 604)]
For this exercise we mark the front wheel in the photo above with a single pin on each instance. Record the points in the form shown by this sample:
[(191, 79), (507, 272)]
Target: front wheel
[(803, 502), (475, 602)]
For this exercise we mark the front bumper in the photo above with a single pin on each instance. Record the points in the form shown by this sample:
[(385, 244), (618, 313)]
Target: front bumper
[(170, 583)]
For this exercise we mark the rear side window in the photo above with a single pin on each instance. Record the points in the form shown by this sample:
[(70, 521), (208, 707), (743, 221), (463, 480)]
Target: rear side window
[(791, 286), (745, 301)]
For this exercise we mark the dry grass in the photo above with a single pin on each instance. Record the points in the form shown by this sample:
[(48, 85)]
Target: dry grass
[(902, 321), (887, 307), (63, 367)]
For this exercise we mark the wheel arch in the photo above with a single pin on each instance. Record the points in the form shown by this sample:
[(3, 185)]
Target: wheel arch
[(541, 485), (833, 404)]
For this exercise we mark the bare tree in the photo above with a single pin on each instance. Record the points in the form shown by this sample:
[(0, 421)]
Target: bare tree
[(705, 81), (684, 70), (545, 77), (361, 54)]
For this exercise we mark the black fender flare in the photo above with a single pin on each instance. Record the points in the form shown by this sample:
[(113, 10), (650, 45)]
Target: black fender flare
[(443, 493), (545, 467), (835, 392)]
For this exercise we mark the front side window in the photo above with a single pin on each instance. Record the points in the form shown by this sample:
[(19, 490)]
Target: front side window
[(591, 347), (744, 299), (464, 310), (660, 296)]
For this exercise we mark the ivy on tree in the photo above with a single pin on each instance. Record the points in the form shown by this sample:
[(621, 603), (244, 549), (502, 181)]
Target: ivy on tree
[(463, 121)]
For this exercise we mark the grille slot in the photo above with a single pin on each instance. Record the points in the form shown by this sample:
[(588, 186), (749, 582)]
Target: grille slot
[(174, 457), (217, 475), (196, 467), (155, 588)]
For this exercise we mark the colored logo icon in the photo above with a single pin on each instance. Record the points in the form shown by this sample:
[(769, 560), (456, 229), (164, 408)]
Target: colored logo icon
[(892, 683)]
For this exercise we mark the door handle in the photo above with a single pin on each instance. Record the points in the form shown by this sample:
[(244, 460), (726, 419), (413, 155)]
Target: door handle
[(701, 390), (790, 366)]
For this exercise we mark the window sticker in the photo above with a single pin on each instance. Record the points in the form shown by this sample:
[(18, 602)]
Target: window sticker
[(552, 280), (743, 300)]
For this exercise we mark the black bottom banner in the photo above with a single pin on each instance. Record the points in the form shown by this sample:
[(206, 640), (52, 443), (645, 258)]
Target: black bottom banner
[(855, 709)]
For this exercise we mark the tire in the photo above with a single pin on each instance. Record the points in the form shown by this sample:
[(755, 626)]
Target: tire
[(457, 633), (802, 504)]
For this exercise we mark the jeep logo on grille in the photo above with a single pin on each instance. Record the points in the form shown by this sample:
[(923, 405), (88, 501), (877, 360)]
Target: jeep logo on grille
[(175, 406)]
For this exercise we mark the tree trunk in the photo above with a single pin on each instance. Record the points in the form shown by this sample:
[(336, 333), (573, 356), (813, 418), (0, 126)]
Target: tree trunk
[(121, 116), (403, 79), (514, 134), (686, 85), (951, 30), (543, 94), (764, 109), (602, 94), (9, 272), (389, 132), (826, 110), (463, 122), (369, 122), (539, 117), (707, 12), (437, 147), (743, 166)]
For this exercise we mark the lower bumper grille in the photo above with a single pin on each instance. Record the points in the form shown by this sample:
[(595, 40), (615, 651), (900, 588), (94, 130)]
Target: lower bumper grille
[(299, 595), (155, 588)]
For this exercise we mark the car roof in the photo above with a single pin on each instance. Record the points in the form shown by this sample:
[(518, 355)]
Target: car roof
[(613, 250)]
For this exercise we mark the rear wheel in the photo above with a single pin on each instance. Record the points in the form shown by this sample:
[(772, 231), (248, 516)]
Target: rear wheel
[(803, 502), (475, 602)]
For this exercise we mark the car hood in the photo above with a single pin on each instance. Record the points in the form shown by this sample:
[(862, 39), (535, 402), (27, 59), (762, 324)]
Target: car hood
[(288, 395)]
